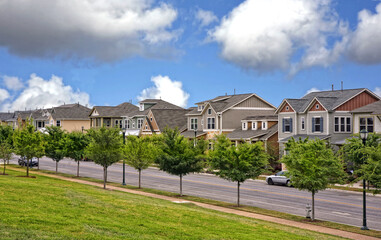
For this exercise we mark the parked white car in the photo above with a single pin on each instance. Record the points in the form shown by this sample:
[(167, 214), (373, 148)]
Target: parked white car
[(278, 178)]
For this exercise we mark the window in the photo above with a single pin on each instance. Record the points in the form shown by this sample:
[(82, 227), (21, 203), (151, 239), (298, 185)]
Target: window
[(58, 123), (317, 106), (151, 119), (254, 125), (366, 123), (146, 127), (287, 124), (287, 108), (140, 123), (199, 108), (210, 146), (303, 123), (141, 107), (209, 111), (264, 125), (193, 123), (244, 126), (202, 122), (342, 124), (317, 124), (211, 123), (133, 124), (127, 124)]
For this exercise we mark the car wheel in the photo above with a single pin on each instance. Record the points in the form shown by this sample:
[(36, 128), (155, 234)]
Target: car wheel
[(288, 183), (270, 181)]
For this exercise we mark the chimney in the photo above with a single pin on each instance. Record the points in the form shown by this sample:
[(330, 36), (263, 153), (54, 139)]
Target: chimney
[(342, 88), (226, 94), (234, 91), (332, 88)]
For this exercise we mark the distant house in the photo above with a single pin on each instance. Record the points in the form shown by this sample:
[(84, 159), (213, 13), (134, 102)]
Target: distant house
[(368, 118), (134, 121), (5, 117), (323, 115), (223, 114), (110, 116), (70, 117)]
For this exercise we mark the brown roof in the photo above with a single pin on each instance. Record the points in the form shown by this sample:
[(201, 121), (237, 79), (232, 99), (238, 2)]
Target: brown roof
[(373, 108), (171, 118)]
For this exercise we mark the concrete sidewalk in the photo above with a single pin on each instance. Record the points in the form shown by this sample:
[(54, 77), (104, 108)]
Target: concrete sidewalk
[(305, 226)]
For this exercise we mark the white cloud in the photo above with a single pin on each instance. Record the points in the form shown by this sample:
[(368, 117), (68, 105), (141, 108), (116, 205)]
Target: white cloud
[(3, 95), (167, 90), (13, 83), (377, 91), (205, 17), (41, 93), (314, 89), (266, 35), (365, 43), (104, 30)]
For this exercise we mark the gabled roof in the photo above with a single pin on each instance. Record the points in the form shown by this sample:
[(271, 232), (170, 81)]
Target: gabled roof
[(122, 109), (329, 99), (4, 116), (373, 108), (171, 118), (71, 111)]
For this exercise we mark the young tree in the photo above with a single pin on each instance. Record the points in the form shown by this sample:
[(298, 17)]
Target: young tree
[(27, 143), (178, 156), (105, 148), (5, 153), (312, 166), (6, 138), (139, 153), (55, 144), (76, 143), (237, 163)]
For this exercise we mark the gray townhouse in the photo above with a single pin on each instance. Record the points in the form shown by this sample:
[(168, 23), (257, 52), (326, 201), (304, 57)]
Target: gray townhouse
[(324, 115), (223, 114)]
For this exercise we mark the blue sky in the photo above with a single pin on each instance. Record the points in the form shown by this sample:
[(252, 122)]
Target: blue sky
[(108, 52)]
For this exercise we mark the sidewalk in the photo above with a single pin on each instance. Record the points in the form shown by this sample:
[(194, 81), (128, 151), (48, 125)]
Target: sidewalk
[(306, 226)]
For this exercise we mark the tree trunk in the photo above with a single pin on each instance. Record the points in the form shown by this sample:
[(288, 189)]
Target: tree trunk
[(4, 168), (56, 166), (181, 185), (313, 206), (104, 177), (27, 167), (140, 178), (77, 168), (238, 185), (368, 185), (38, 163)]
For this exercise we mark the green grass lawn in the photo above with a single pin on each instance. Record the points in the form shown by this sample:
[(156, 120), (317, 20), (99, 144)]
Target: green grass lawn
[(47, 208)]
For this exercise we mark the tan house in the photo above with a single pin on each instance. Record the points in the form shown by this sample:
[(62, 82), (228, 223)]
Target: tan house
[(110, 116), (223, 114), (70, 117)]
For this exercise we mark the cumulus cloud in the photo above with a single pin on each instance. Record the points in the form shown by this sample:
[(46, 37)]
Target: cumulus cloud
[(365, 43), (268, 35), (4, 94), (13, 83), (41, 93), (104, 30), (377, 91), (167, 90), (205, 17)]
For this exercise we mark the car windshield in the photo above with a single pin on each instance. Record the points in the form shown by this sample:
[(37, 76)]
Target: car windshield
[(281, 173)]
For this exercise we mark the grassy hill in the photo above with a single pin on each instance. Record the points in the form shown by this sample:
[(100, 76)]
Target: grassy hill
[(47, 208)]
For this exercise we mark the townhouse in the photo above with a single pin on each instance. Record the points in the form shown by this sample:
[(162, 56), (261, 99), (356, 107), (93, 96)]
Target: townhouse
[(323, 115), (368, 118), (223, 114)]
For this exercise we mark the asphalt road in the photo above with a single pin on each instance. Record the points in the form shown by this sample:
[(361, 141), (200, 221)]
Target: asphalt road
[(332, 205)]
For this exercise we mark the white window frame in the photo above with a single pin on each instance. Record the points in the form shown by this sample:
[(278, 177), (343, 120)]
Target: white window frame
[(212, 125), (193, 124), (244, 125), (141, 107), (287, 124), (140, 123), (317, 106), (366, 123), (303, 123), (264, 125), (340, 125), (254, 125), (209, 111)]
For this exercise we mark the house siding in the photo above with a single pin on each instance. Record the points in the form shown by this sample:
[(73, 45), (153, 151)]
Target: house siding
[(360, 100), (316, 107), (253, 102), (284, 109), (231, 119), (282, 134)]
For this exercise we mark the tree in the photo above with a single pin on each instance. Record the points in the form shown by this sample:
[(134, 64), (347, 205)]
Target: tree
[(105, 148), (237, 163), (371, 170), (28, 143), (312, 166), (178, 155), (6, 139), (55, 144), (5, 153), (76, 143), (139, 153)]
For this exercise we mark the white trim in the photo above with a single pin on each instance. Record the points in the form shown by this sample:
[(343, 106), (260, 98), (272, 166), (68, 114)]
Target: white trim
[(281, 104), (250, 108), (302, 121), (264, 127), (345, 124), (254, 123), (244, 125), (309, 106)]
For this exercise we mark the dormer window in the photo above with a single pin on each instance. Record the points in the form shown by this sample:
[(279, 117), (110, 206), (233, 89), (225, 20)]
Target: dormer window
[(244, 126), (141, 107), (209, 111), (264, 125), (254, 125)]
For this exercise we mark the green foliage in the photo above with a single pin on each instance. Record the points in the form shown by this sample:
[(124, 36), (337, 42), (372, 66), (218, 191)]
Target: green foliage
[(76, 144), (5, 153), (372, 168), (55, 143), (6, 134), (105, 148), (27, 142), (178, 156), (312, 165), (239, 163), (139, 153)]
